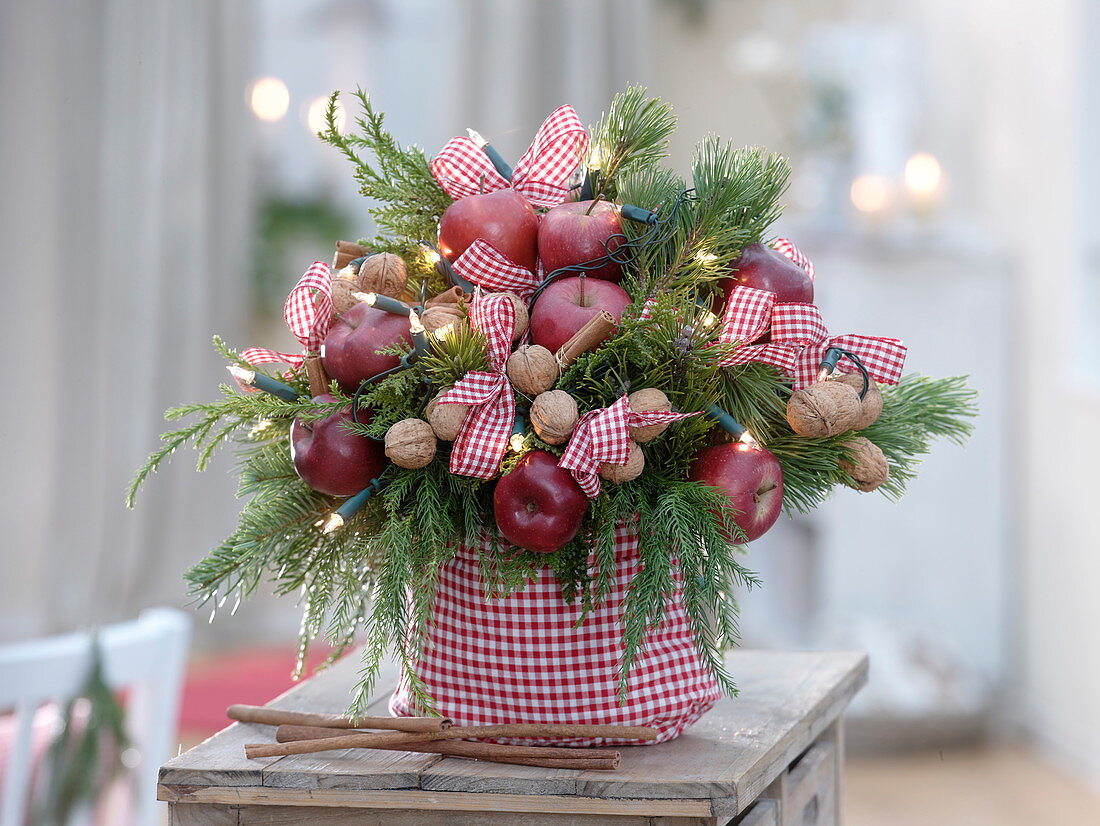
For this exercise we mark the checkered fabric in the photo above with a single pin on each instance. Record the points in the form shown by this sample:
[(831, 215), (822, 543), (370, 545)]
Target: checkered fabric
[(542, 174), (884, 358), (784, 246), (521, 658), (481, 442), (485, 265), (308, 315), (748, 316), (604, 436)]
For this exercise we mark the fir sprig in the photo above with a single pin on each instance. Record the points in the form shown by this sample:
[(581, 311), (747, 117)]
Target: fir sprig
[(631, 136)]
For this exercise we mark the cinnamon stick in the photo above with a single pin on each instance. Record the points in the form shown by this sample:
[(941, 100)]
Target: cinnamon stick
[(460, 748), (279, 717), (399, 740), (453, 296), (319, 380), (595, 331), (346, 252)]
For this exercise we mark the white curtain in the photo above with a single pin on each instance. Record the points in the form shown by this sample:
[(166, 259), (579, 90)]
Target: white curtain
[(124, 225)]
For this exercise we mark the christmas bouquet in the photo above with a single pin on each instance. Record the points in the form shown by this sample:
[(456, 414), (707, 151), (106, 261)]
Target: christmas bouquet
[(535, 421)]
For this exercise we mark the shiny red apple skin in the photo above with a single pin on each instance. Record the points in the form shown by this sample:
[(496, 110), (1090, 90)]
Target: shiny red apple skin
[(538, 505), (765, 268), (503, 218), (330, 458), (566, 305), (568, 236), (352, 344), (751, 478)]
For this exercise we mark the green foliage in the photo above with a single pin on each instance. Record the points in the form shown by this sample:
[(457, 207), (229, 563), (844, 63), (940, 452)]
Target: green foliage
[(378, 574)]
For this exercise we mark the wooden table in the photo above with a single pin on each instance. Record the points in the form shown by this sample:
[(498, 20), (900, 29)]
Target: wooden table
[(773, 755)]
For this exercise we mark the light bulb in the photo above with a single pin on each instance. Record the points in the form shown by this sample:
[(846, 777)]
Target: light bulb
[(269, 99), (923, 174), (476, 137), (367, 298), (748, 439), (334, 522), (416, 327), (241, 374)]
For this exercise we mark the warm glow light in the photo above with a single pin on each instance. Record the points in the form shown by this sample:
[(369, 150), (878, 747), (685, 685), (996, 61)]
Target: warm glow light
[(923, 174), (348, 273), (708, 319), (368, 298), (871, 193), (433, 256), (332, 524), (440, 333), (315, 116), (748, 439), (269, 99), (595, 160), (515, 442), (704, 257), (415, 326), (241, 374), (476, 138)]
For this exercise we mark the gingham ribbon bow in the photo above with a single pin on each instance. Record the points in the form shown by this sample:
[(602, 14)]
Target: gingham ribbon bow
[(483, 438), (541, 176), (884, 358), (786, 248), (604, 436), (748, 316), (308, 316)]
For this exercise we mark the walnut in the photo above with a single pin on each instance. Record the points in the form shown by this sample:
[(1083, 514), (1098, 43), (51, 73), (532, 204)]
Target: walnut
[(446, 419), (433, 318), (533, 369), (823, 409), (650, 400), (523, 318), (870, 405), (553, 416), (635, 464), (383, 273), (342, 300), (410, 443), (867, 465)]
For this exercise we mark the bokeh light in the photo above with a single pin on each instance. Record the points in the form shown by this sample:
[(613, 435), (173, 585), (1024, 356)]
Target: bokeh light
[(269, 99)]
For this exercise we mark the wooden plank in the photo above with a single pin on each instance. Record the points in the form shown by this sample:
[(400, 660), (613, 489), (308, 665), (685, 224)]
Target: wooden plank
[(809, 789), (209, 815), (762, 813), (432, 801), (279, 816), (220, 760), (457, 775), (743, 743), (348, 769)]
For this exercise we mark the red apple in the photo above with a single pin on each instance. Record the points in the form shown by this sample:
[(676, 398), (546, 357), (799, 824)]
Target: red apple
[(570, 234), (568, 303), (538, 505), (351, 347), (503, 218), (750, 477), (332, 459), (765, 268)]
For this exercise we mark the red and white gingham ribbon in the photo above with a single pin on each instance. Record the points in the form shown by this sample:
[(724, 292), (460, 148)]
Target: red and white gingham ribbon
[(604, 436), (785, 247), (483, 438), (748, 316), (542, 174), (884, 358), (485, 265), (308, 315)]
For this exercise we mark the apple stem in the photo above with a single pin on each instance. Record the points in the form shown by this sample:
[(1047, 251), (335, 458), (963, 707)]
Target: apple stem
[(481, 184), (340, 317), (584, 300), (756, 496), (592, 205)]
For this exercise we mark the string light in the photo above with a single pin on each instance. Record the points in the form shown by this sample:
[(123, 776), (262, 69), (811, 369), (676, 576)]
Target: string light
[(441, 333), (705, 257), (444, 268), (637, 214), (269, 99), (739, 432), (495, 158), (923, 175), (338, 518), (383, 302), (259, 381), (420, 340), (518, 439)]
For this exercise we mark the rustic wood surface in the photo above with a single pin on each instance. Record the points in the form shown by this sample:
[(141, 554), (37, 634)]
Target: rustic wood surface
[(710, 774)]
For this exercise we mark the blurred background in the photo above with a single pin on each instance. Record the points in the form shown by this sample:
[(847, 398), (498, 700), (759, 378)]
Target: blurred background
[(161, 183)]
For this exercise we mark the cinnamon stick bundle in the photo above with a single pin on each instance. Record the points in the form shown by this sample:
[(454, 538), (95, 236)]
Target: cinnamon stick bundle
[(319, 380), (399, 740), (595, 331), (279, 717), (545, 756), (346, 252)]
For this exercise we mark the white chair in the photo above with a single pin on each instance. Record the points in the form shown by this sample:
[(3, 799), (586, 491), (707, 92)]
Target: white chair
[(146, 656)]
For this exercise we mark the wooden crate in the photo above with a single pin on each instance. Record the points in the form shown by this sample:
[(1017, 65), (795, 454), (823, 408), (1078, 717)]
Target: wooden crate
[(772, 755)]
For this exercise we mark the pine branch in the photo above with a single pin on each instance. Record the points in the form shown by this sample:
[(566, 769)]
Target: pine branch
[(631, 136)]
